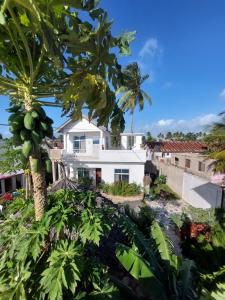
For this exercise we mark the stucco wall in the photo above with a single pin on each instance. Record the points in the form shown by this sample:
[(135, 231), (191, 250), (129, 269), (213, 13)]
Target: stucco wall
[(199, 192), (136, 171), (174, 176)]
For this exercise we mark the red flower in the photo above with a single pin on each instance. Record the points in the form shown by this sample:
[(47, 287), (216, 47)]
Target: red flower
[(7, 197)]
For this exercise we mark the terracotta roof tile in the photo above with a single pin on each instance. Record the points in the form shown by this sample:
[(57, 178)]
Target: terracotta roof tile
[(177, 146)]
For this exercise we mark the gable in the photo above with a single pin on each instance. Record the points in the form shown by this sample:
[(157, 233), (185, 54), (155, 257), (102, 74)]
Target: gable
[(79, 126)]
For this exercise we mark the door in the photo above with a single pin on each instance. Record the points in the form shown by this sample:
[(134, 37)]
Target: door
[(98, 176)]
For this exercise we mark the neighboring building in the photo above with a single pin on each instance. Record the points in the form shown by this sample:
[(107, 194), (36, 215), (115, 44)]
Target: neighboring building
[(164, 150), (9, 182), (188, 172), (88, 152)]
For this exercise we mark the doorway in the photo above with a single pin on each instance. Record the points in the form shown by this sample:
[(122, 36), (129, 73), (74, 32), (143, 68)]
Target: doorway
[(98, 176)]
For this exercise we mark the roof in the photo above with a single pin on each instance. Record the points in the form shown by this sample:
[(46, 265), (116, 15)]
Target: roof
[(11, 174), (177, 146), (71, 121)]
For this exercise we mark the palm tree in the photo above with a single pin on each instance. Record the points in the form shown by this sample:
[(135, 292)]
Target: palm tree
[(216, 141), (133, 94)]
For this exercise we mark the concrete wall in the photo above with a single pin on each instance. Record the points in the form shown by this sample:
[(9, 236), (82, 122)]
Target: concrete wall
[(197, 191), (174, 176)]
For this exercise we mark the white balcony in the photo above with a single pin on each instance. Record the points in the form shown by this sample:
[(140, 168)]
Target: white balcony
[(110, 156)]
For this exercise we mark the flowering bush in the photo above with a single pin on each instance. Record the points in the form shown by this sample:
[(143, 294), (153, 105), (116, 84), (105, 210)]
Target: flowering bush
[(7, 197)]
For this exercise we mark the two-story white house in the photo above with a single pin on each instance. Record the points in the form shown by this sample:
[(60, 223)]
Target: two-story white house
[(88, 152)]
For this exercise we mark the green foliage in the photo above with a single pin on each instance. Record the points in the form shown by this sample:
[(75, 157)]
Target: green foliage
[(11, 157), (165, 191), (161, 179), (162, 273), (63, 270), (121, 188), (47, 259)]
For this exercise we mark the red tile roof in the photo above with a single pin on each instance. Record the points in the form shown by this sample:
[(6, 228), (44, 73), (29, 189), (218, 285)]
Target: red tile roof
[(177, 146)]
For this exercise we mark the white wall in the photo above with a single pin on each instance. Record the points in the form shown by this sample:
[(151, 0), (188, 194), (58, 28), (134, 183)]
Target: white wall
[(199, 192), (136, 171)]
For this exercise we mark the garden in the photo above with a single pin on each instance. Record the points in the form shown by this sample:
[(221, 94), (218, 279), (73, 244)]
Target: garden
[(74, 244)]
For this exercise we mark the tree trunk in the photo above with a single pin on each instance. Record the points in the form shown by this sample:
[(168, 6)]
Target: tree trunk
[(39, 187), (38, 178)]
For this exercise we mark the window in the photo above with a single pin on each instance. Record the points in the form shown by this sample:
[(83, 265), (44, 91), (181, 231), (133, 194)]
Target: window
[(79, 144), (95, 141), (0, 187), (187, 163), (176, 161), (83, 173), (121, 175), (201, 166), (130, 141)]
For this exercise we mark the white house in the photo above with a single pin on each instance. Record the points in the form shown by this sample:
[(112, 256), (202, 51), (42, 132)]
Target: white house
[(88, 152)]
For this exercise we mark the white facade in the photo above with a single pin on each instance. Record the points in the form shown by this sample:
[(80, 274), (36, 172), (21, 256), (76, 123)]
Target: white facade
[(88, 150)]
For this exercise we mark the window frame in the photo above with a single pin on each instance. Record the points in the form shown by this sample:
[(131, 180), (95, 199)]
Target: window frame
[(79, 139), (83, 171), (121, 175), (187, 163), (201, 166)]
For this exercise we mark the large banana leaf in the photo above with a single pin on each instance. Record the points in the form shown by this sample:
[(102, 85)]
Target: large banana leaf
[(140, 269)]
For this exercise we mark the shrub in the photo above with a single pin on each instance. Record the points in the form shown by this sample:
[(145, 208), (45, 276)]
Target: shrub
[(164, 191), (161, 179), (121, 188)]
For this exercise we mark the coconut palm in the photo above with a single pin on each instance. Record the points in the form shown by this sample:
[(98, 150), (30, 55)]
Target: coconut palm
[(216, 141), (133, 94)]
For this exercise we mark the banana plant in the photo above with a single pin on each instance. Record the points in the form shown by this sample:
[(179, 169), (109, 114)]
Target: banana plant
[(172, 281), (47, 51)]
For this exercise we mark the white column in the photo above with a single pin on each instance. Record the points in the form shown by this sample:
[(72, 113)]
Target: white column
[(3, 186), (53, 171), (72, 173), (102, 141)]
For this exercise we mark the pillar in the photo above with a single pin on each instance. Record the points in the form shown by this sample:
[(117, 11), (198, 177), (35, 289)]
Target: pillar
[(53, 171)]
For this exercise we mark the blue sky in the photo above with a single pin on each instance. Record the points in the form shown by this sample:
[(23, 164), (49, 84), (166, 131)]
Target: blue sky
[(181, 45)]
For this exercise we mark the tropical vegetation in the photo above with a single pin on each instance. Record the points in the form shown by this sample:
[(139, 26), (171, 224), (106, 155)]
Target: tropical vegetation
[(121, 188), (49, 50)]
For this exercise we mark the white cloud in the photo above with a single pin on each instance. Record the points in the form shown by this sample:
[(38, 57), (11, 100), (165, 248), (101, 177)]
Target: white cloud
[(150, 48), (222, 94), (163, 123), (199, 123), (149, 56)]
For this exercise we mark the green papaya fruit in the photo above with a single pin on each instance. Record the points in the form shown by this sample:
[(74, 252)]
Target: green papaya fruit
[(43, 126), (49, 121), (25, 134), (17, 122), (17, 140), (11, 117), (27, 148), (29, 121), (34, 114), (13, 108), (48, 166), (36, 136), (40, 111), (35, 165), (49, 132), (13, 129)]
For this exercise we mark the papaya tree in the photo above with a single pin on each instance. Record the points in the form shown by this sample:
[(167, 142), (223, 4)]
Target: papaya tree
[(48, 51)]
